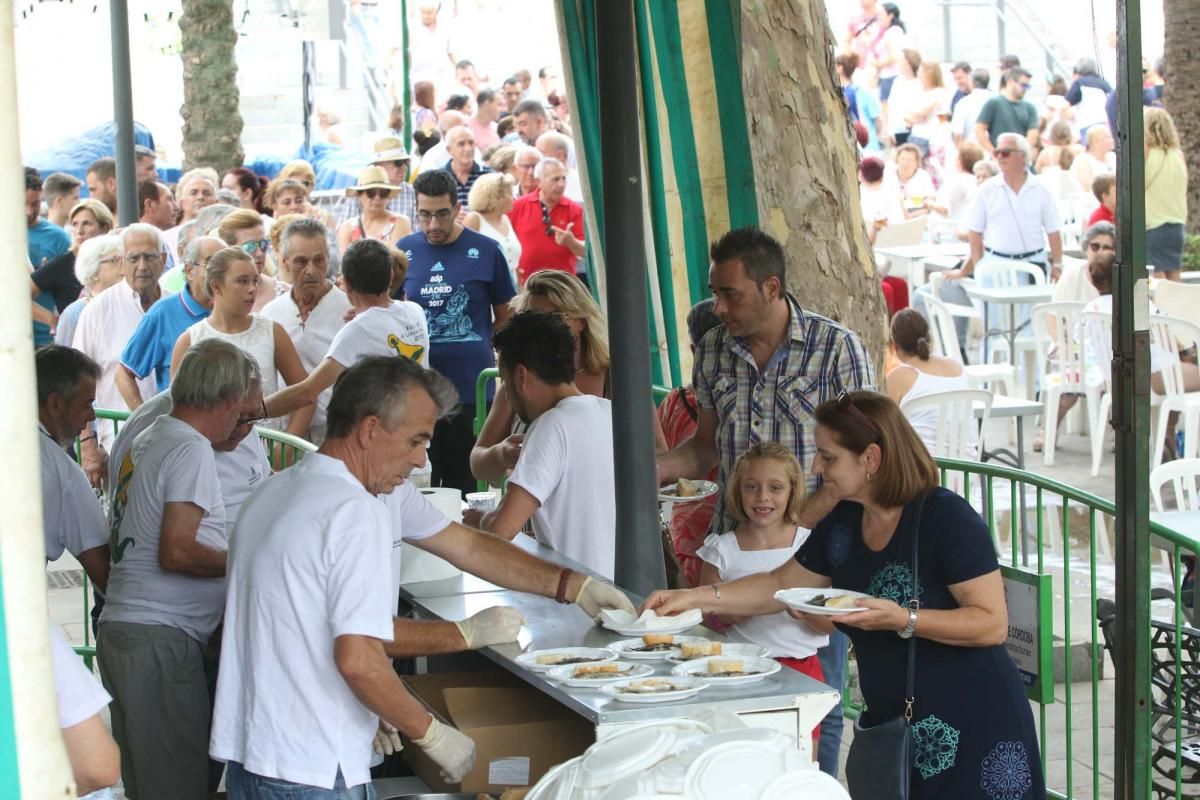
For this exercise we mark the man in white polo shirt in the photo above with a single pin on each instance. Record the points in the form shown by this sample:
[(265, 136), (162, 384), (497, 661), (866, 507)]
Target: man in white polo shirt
[(314, 310), (304, 677), (71, 516), (167, 585), (564, 477)]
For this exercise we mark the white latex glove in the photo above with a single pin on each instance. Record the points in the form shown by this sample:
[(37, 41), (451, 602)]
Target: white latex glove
[(595, 596), (496, 625), (449, 748), (387, 739)]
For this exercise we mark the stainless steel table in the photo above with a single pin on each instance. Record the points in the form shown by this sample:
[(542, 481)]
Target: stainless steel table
[(1029, 294), (787, 701)]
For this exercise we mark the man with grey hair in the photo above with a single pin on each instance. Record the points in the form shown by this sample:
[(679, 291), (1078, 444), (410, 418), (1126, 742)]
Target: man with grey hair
[(526, 162), (548, 223), (72, 520), (167, 585), (148, 351), (314, 310), (553, 144), (1075, 283), (1014, 216), (463, 166), (439, 154), (196, 190), (106, 324)]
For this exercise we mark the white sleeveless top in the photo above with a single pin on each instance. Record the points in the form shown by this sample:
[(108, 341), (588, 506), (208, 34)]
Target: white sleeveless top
[(258, 341), (509, 245), (924, 421)]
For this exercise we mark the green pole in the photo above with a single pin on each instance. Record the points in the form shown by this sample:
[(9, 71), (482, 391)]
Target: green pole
[(1131, 420), (405, 59)]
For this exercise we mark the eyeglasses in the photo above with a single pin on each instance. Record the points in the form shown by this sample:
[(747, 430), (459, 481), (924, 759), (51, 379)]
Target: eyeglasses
[(1096, 247), (442, 215), (1025, 86), (1003, 152), (374, 194), (254, 245), (110, 260), (546, 220), (845, 404), (243, 421), (148, 258)]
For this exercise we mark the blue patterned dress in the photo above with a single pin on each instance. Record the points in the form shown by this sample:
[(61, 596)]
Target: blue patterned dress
[(973, 730)]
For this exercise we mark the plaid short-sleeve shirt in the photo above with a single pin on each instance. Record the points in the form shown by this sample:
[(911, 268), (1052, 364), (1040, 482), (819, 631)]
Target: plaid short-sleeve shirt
[(817, 361)]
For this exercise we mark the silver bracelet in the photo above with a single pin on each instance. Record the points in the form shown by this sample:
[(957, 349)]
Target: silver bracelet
[(717, 590)]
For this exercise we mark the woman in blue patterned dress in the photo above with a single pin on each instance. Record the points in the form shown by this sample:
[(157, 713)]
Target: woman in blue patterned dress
[(973, 731)]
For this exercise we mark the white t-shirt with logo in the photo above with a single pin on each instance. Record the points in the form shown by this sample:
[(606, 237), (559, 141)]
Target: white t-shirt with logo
[(72, 519), (398, 330), (567, 464), (80, 695), (310, 561), (312, 336), (783, 636), (240, 471), (170, 462)]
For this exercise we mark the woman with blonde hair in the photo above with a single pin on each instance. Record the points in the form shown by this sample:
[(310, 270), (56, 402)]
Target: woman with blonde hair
[(231, 278), (1061, 151), (88, 219), (244, 229), (490, 201), (1166, 194)]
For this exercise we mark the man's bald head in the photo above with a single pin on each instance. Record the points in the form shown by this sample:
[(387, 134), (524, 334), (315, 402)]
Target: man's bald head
[(553, 144), (450, 119)]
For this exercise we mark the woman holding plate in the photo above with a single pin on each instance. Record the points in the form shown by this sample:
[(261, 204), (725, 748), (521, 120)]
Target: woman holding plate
[(972, 731)]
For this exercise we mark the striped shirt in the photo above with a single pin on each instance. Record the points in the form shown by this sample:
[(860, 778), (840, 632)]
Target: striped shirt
[(817, 361)]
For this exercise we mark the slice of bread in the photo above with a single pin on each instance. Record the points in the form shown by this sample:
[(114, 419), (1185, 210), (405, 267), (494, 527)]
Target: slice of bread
[(698, 649), (842, 601), (596, 669), (657, 638), (718, 665), (685, 488), (551, 660)]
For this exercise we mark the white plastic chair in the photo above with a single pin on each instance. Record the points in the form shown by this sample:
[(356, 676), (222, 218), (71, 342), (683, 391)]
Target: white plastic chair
[(1097, 328), (1184, 476), (1001, 273), (1169, 335), (1064, 371), (956, 423), (903, 234), (946, 343)]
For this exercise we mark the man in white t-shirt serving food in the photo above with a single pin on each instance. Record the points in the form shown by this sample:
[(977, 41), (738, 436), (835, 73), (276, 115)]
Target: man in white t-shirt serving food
[(166, 588), (305, 678), (564, 477)]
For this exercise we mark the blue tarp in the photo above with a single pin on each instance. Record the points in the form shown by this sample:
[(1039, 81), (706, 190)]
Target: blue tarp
[(335, 166), (75, 154)]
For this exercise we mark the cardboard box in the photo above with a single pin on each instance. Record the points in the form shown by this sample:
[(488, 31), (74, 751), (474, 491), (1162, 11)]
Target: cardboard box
[(519, 733)]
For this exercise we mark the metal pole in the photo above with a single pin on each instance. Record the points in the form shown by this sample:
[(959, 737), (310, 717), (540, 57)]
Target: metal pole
[(1131, 419), (1001, 33), (33, 761), (947, 38), (127, 204), (308, 78), (639, 565), (406, 60)]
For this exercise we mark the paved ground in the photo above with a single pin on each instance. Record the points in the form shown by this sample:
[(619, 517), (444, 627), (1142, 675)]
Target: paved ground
[(1072, 467)]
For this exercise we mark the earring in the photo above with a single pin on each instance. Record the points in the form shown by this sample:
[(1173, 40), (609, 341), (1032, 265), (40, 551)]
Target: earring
[(870, 477)]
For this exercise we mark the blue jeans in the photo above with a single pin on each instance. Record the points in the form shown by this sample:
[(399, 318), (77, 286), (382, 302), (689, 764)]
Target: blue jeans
[(833, 663), (243, 785)]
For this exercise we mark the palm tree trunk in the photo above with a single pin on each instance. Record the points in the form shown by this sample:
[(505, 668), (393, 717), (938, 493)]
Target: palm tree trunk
[(212, 121), (1182, 23)]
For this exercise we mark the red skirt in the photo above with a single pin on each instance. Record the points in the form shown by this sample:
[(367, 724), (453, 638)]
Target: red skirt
[(811, 667)]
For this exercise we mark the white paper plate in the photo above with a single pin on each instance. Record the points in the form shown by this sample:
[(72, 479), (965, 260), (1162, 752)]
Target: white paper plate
[(704, 490), (688, 687), (736, 769), (626, 624), (798, 599), (626, 648), (530, 660), (558, 783), (728, 650), (806, 783), (761, 669), (564, 675)]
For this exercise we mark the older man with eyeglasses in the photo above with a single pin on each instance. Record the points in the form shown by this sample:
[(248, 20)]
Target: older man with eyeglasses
[(148, 351), (548, 223)]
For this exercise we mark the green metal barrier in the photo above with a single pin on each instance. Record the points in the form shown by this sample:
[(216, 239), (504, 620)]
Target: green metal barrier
[(481, 409), (283, 449), (1067, 541)]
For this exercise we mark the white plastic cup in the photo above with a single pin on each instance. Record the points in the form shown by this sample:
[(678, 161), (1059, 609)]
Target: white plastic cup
[(483, 501)]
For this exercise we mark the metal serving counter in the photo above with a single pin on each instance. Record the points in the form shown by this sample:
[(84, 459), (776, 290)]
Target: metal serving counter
[(787, 701)]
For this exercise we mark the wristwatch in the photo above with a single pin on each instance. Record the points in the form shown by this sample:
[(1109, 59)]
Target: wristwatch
[(907, 633)]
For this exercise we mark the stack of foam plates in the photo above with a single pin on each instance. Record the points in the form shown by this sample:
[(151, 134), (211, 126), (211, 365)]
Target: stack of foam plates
[(810, 784)]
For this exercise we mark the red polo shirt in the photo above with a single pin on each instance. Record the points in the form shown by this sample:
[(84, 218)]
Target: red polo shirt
[(538, 249)]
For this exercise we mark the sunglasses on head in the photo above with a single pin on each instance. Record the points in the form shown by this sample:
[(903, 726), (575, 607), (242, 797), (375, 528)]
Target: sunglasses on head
[(845, 404), (376, 193), (255, 245)]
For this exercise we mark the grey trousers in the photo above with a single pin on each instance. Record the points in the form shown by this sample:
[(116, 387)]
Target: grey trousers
[(160, 709)]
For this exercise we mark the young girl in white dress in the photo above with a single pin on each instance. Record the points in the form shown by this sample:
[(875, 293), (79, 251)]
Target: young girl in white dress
[(765, 492)]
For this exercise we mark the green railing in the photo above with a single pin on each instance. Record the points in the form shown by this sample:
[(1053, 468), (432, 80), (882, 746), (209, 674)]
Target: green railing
[(1055, 530)]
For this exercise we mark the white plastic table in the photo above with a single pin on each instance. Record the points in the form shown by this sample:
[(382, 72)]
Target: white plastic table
[(1029, 294), (906, 258)]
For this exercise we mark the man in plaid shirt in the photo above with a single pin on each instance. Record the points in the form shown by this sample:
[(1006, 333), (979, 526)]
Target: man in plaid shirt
[(758, 378), (391, 155)]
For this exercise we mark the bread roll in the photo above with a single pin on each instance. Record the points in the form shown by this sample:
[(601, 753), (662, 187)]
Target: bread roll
[(842, 601), (698, 649), (657, 638), (550, 660), (685, 488), (596, 669), (719, 665)]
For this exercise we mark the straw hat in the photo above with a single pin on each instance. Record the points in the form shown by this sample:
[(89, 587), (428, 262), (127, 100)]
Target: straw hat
[(372, 178), (389, 148)]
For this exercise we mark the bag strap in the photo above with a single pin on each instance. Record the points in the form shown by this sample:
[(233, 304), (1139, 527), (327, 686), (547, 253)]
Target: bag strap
[(914, 603)]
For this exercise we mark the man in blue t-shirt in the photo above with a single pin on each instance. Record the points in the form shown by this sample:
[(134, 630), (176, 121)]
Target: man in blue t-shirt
[(461, 279), (46, 240), (150, 347)]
